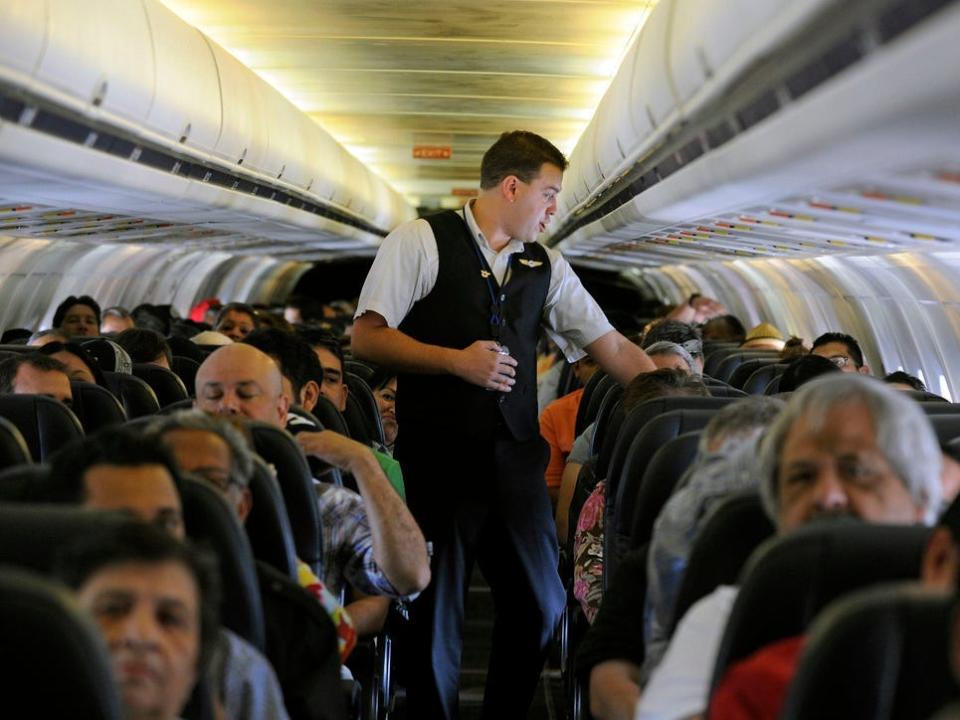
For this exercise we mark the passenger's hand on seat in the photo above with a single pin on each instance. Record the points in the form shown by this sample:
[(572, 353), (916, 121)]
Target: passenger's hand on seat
[(483, 364), (334, 448)]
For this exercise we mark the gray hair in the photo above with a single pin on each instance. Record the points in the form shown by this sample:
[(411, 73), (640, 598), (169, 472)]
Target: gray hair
[(740, 422), (241, 465), (903, 432), (665, 347)]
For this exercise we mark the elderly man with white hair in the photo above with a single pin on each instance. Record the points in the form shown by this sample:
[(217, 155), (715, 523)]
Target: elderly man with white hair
[(844, 446)]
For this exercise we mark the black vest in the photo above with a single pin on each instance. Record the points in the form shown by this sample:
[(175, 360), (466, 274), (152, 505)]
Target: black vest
[(456, 313)]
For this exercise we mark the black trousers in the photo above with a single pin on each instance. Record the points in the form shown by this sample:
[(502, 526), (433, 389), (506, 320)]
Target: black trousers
[(480, 499)]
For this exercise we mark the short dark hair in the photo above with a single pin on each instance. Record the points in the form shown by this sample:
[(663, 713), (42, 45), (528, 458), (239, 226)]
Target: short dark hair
[(804, 369), (112, 446), (853, 347), (661, 383), (325, 340), (310, 308), (137, 542), (683, 334), (153, 317), (61, 312), (904, 378), (240, 308), (38, 361), (81, 352), (297, 360), (143, 345), (520, 153), (725, 328)]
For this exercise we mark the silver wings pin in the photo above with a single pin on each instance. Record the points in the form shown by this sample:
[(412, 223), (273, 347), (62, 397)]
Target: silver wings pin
[(530, 263)]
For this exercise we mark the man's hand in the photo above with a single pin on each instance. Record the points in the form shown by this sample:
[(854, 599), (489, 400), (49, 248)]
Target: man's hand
[(483, 364)]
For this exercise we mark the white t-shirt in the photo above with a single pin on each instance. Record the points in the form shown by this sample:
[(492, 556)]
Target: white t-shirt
[(680, 685), (406, 267)]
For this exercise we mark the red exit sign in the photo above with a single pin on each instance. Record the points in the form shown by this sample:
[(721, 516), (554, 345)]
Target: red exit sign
[(432, 152)]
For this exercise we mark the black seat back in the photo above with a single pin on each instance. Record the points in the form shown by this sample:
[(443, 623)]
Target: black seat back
[(268, 526), (45, 423), (278, 448), (726, 391), (881, 653), (360, 369), (369, 414), (749, 366), (789, 579), (210, 521), (730, 535), (166, 385), (186, 369), (947, 427), (137, 398), (661, 476), (54, 662), (13, 447), (95, 407), (757, 383), (643, 434), (585, 413), (731, 362), (19, 483), (609, 419), (938, 407)]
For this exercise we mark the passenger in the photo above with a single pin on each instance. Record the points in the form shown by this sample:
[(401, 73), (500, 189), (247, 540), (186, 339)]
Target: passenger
[(44, 337), (384, 386), (842, 350), (763, 337), (269, 320), (436, 309), (697, 310), (300, 310), (155, 602), (802, 370), (757, 686), (558, 423), (588, 542), (904, 381), (236, 321), (793, 348), (77, 317), (108, 356), (205, 312), (842, 447), (15, 336), (146, 346), (724, 465), (119, 469), (115, 320), (330, 353), (211, 337), (683, 334), (152, 317), (214, 450), (667, 354), (36, 374), (726, 328), (369, 540), (80, 365)]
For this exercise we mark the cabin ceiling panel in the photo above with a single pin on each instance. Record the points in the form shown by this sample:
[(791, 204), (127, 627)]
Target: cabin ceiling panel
[(384, 76)]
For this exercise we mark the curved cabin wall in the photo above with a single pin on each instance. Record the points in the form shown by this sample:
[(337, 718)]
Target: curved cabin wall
[(903, 307), (36, 275)]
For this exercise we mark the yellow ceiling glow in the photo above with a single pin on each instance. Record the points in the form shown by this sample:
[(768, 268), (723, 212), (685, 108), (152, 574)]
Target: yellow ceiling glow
[(381, 76)]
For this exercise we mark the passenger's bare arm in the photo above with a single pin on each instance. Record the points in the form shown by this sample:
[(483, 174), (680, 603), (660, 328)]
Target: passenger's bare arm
[(614, 690), (369, 613), (479, 364), (619, 357), (399, 547)]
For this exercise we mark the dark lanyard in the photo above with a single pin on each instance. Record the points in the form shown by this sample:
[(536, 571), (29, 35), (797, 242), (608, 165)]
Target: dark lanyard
[(497, 297)]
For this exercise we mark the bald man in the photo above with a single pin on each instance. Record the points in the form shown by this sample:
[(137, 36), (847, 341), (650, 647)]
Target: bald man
[(370, 540)]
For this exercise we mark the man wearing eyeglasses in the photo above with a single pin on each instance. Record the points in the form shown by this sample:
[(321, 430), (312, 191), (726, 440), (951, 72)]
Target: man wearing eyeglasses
[(455, 302), (842, 350)]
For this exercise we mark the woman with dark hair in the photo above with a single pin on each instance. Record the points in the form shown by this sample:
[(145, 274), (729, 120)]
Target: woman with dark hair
[(80, 364), (78, 317), (236, 321), (384, 386)]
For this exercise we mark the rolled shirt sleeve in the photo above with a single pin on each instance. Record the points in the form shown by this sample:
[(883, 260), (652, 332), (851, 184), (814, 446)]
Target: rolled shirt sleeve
[(571, 317)]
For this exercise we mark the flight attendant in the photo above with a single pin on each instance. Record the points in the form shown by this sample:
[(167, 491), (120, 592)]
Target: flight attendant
[(455, 302)]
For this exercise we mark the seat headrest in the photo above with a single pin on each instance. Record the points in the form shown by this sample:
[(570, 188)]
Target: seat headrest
[(46, 424)]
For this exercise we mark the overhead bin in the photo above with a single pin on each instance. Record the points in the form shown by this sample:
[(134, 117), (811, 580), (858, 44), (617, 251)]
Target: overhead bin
[(23, 34), (187, 80), (119, 106)]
